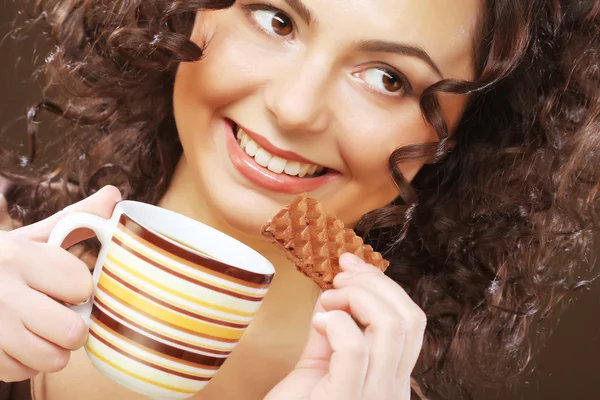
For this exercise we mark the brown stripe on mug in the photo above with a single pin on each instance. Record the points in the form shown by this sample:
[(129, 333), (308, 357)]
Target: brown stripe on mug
[(142, 342), (183, 276), (166, 323), (226, 271), (170, 306), (187, 357), (147, 363), (99, 303)]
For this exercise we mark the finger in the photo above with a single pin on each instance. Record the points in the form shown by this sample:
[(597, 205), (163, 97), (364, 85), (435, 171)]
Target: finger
[(31, 350), (413, 345), (13, 371), (350, 359), (310, 370), (102, 203), (52, 321), (385, 334), (317, 351), (370, 278), (51, 270), (366, 274)]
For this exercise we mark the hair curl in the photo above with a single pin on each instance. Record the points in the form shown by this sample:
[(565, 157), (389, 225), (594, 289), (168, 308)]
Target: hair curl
[(487, 239)]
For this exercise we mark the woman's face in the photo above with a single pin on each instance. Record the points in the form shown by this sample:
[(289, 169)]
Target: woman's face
[(319, 93)]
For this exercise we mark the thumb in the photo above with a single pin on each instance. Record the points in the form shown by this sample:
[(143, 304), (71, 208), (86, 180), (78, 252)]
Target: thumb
[(101, 203), (318, 351), (310, 370)]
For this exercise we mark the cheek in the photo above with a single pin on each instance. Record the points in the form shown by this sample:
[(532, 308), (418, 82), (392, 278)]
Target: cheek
[(227, 71), (377, 134)]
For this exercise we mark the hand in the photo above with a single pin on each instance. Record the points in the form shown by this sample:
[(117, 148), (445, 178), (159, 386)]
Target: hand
[(345, 361), (36, 332)]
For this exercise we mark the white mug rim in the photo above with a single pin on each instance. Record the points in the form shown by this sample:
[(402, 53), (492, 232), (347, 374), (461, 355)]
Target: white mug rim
[(254, 262)]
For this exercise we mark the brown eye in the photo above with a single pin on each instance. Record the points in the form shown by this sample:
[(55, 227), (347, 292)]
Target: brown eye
[(281, 24), (383, 80), (391, 83), (274, 22)]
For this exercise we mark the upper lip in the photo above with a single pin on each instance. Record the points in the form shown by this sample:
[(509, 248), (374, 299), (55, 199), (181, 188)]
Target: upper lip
[(271, 148)]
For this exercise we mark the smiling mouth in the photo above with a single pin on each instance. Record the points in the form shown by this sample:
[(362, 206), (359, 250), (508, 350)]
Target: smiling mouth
[(274, 163)]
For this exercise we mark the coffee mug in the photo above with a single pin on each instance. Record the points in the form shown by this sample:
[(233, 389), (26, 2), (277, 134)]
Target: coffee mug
[(172, 297)]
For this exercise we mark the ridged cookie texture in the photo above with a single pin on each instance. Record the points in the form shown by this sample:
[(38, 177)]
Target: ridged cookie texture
[(314, 240)]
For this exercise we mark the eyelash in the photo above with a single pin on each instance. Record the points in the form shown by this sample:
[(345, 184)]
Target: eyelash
[(407, 87), (406, 90), (249, 8)]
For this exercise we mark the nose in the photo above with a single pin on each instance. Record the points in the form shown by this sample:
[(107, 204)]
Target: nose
[(296, 98)]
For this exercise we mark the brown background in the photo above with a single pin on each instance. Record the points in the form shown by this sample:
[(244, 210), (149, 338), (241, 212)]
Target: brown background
[(567, 366)]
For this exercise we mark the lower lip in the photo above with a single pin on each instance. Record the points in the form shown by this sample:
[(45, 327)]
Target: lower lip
[(268, 179)]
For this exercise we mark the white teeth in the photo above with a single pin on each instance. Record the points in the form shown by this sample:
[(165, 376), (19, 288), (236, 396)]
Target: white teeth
[(274, 163), (292, 168), (263, 158), (251, 148), (277, 164), (245, 138), (304, 170)]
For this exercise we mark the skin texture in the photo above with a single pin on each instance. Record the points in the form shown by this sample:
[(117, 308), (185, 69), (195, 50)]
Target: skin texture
[(314, 93), (308, 93)]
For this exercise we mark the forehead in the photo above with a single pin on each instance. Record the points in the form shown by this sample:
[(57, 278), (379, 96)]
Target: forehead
[(445, 29)]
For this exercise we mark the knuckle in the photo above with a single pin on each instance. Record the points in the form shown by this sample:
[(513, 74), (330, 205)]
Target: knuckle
[(393, 324), (9, 254), (420, 318), (357, 350), (65, 211)]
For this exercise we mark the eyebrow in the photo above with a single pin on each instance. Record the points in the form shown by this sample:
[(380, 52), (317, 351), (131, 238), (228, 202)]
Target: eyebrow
[(300, 8), (372, 46), (381, 46)]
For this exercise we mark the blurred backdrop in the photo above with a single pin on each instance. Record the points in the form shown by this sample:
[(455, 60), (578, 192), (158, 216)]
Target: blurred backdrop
[(567, 366)]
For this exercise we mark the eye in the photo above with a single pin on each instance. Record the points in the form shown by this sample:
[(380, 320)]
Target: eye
[(273, 21), (384, 80)]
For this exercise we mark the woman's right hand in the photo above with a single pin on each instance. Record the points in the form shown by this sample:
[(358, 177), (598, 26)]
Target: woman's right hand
[(37, 334)]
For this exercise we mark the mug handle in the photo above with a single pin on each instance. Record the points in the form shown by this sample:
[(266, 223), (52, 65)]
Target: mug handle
[(103, 229)]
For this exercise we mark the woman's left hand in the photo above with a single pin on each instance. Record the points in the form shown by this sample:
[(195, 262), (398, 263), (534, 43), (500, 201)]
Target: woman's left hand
[(343, 361)]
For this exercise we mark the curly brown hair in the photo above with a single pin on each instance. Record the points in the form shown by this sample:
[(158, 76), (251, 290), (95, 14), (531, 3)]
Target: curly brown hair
[(488, 239)]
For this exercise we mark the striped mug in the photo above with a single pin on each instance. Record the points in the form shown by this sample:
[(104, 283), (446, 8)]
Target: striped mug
[(172, 297)]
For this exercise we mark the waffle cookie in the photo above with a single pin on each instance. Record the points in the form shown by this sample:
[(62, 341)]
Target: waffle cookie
[(314, 240)]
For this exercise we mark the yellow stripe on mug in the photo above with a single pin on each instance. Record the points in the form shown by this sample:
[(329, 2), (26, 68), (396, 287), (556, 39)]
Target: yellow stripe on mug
[(165, 338)]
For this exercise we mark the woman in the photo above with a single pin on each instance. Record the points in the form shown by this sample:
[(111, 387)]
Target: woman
[(459, 138)]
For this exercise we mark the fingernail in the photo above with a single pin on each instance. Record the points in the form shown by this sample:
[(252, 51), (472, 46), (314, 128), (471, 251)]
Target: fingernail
[(320, 320), (350, 262), (343, 277)]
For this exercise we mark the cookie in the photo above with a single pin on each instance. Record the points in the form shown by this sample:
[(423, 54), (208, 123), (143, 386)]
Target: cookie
[(314, 241)]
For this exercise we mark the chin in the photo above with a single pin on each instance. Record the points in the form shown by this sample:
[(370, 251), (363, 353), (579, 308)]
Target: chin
[(242, 210), (235, 205)]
